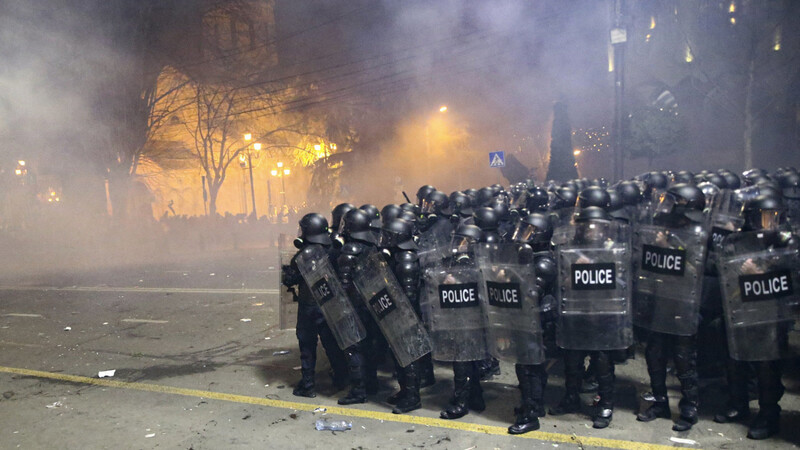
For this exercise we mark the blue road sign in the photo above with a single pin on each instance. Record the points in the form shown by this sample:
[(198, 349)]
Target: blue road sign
[(497, 159)]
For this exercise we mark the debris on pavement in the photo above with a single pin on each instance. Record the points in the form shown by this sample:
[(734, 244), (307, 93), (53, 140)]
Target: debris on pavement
[(150, 435), (281, 352), (106, 373), (333, 425), (683, 441), (322, 410), (67, 328), (245, 320), (55, 405)]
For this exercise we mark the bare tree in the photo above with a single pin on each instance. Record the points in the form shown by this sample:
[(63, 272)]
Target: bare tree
[(218, 119)]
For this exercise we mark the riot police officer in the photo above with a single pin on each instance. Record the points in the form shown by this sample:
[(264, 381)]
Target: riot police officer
[(532, 238), (758, 319), (671, 252), (361, 359), (594, 306), (310, 321), (455, 319), (397, 242)]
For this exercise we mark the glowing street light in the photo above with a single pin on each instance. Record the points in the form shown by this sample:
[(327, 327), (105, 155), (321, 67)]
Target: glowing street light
[(576, 152), (281, 174), (443, 108), (248, 137)]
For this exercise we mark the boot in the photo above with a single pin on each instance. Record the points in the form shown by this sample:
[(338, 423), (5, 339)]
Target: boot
[(603, 418), (687, 418), (691, 399), (458, 405), (765, 425), (738, 408), (527, 415), (659, 408), (410, 401), (305, 387), (605, 390), (770, 391), (571, 403), (732, 414), (358, 393), (525, 421)]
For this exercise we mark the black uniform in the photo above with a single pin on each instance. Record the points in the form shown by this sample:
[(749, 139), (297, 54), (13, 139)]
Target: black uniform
[(310, 325), (361, 360), (532, 378)]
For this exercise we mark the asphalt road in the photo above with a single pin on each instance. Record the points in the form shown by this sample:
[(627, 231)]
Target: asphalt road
[(199, 364)]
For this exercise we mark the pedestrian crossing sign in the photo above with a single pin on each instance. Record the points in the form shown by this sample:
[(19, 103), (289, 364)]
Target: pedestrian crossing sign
[(497, 159)]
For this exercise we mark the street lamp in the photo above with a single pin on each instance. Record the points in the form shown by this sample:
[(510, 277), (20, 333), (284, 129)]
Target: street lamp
[(281, 173)]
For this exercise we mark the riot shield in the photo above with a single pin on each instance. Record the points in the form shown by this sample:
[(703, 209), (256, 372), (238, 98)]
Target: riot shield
[(329, 294), (594, 287), (725, 217), (451, 306), (668, 274), (287, 303), (511, 305), (434, 243), (389, 306), (761, 296), (561, 220)]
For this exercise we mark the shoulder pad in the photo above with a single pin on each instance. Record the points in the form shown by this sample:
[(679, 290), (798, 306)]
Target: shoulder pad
[(305, 251), (406, 256), (545, 267), (352, 248)]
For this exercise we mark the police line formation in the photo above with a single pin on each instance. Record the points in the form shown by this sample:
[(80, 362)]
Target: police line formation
[(575, 271)]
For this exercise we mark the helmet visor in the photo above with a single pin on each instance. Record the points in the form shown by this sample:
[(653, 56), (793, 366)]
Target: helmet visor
[(460, 244), (767, 219), (388, 239), (428, 206), (523, 232), (666, 203)]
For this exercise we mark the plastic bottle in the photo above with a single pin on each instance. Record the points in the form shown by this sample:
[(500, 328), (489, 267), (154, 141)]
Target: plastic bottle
[(327, 423)]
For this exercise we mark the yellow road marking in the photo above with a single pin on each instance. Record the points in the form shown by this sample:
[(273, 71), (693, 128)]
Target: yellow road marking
[(140, 289), (366, 414)]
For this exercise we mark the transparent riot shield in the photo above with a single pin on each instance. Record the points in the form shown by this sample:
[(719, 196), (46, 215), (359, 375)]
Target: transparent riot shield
[(761, 296), (287, 303), (668, 274), (389, 306), (725, 217), (329, 294), (561, 220), (434, 243), (451, 306), (594, 287), (511, 305)]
